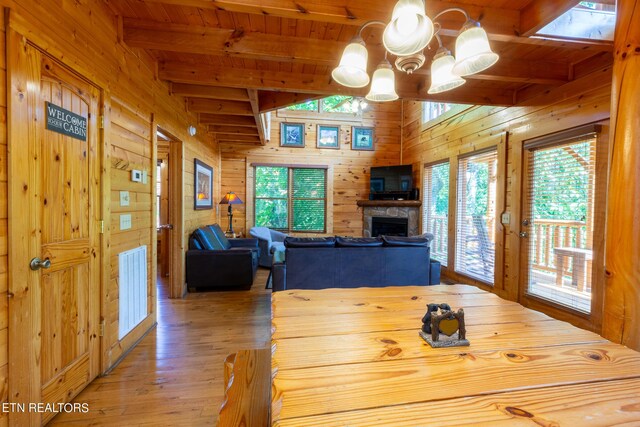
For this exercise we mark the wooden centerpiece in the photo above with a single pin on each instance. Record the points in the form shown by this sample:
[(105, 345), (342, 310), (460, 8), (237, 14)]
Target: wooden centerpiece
[(439, 325)]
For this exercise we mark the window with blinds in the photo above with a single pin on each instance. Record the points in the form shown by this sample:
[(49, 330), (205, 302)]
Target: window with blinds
[(559, 219), (476, 215), (435, 209), (291, 198)]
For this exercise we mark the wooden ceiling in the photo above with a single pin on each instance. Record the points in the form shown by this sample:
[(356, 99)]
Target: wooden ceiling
[(233, 59)]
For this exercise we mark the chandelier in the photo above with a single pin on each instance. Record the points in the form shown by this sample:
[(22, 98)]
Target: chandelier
[(406, 36)]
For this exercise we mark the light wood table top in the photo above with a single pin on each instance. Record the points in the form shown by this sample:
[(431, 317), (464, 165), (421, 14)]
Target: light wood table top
[(353, 357)]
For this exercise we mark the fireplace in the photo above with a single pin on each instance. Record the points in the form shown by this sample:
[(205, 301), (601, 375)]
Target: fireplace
[(389, 226), (391, 217)]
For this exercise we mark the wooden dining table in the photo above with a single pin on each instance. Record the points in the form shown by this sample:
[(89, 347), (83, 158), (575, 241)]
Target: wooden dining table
[(353, 357)]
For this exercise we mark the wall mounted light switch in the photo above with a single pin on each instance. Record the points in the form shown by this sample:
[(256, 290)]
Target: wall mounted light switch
[(125, 221)]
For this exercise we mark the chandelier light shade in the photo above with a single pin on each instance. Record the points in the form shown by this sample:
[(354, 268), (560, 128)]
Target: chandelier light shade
[(473, 53), (352, 71), (383, 84), (410, 29), (442, 77), (406, 36)]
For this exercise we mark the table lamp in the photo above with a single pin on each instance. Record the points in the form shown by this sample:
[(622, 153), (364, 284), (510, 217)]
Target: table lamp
[(230, 199)]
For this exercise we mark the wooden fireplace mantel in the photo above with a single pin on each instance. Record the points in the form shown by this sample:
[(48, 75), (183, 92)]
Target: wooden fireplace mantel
[(389, 203)]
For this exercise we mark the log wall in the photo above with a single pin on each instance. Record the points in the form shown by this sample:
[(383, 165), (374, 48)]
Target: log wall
[(348, 173), (84, 37)]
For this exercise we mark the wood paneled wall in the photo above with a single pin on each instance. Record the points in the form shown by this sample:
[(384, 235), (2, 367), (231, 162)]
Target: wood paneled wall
[(349, 169), (580, 102), (4, 313), (84, 37)]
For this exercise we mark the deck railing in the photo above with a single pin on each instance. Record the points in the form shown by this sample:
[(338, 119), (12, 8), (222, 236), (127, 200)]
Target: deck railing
[(438, 227), (547, 234)]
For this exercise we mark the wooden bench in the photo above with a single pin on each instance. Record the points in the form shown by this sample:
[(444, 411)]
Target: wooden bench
[(247, 394)]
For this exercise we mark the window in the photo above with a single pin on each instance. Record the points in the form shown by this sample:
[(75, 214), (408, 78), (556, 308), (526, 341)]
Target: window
[(291, 199), (435, 215), (332, 104), (476, 212), (587, 20), (304, 106), (559, 214)]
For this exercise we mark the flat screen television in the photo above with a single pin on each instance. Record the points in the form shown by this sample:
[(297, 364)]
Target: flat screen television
[(391, 178)]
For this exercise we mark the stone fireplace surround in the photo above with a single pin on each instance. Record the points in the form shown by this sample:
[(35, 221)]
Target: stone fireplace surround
[(409, 209)]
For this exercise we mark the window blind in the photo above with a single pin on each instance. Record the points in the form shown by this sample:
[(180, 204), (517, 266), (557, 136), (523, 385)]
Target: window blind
[(291, 198), (475, 216), (309, 199), (435, 209), (559, 209)]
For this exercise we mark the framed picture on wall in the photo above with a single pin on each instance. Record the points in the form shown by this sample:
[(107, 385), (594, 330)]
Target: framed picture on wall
[(202, 186), (292, 135), (328, 137), (361, 138)]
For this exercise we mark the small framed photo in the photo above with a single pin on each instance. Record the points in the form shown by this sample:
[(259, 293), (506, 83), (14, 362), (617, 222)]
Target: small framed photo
[(292, 135), (361, 138), (328, 137), (202, 186)]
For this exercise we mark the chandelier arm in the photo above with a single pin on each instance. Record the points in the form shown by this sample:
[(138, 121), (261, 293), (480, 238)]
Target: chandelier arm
[(453, 9), (368, 24)]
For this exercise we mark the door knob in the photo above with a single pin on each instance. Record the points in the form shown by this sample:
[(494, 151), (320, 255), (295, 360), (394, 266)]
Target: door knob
[(165, 227), (524, 234), (37, 263)]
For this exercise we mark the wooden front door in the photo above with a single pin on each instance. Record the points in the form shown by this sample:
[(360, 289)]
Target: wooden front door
[(54, 221)]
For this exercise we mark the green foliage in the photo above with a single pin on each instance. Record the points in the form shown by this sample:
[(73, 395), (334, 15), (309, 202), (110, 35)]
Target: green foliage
[(330, 104), (440, 189), (273, 198), (477, 184), (561, 184), (304, 106), (337, 104)]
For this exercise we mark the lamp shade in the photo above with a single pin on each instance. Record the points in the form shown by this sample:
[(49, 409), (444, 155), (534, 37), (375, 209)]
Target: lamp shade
[(473, 53), (410, 30), (442, 79), (230, 199), (352, 71), (383, 84)]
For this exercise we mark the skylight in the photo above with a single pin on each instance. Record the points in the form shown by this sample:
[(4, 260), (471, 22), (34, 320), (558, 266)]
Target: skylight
[(586, 21)]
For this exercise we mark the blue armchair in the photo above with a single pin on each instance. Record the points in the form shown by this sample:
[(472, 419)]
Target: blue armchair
[(268, 241)]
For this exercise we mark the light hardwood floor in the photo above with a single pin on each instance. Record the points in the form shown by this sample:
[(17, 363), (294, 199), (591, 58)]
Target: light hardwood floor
[(174, 377)]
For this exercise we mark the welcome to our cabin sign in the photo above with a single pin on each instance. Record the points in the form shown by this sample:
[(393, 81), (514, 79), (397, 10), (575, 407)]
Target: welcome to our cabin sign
[(66, 122)]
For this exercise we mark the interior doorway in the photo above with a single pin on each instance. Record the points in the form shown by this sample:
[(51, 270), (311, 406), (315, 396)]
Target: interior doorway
[(169, 215)]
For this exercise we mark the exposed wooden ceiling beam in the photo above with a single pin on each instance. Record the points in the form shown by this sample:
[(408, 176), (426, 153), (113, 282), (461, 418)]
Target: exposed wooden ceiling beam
[(270, 101), (234, 108), (232, 130), (500, 24), (239, 138), (263, 127), (252, 45), (409, 87), (221, 119), (539, 13), (214, 92)]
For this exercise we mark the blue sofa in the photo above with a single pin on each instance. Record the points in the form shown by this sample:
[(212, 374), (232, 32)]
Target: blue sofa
[(213, 261), (347, 262)]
